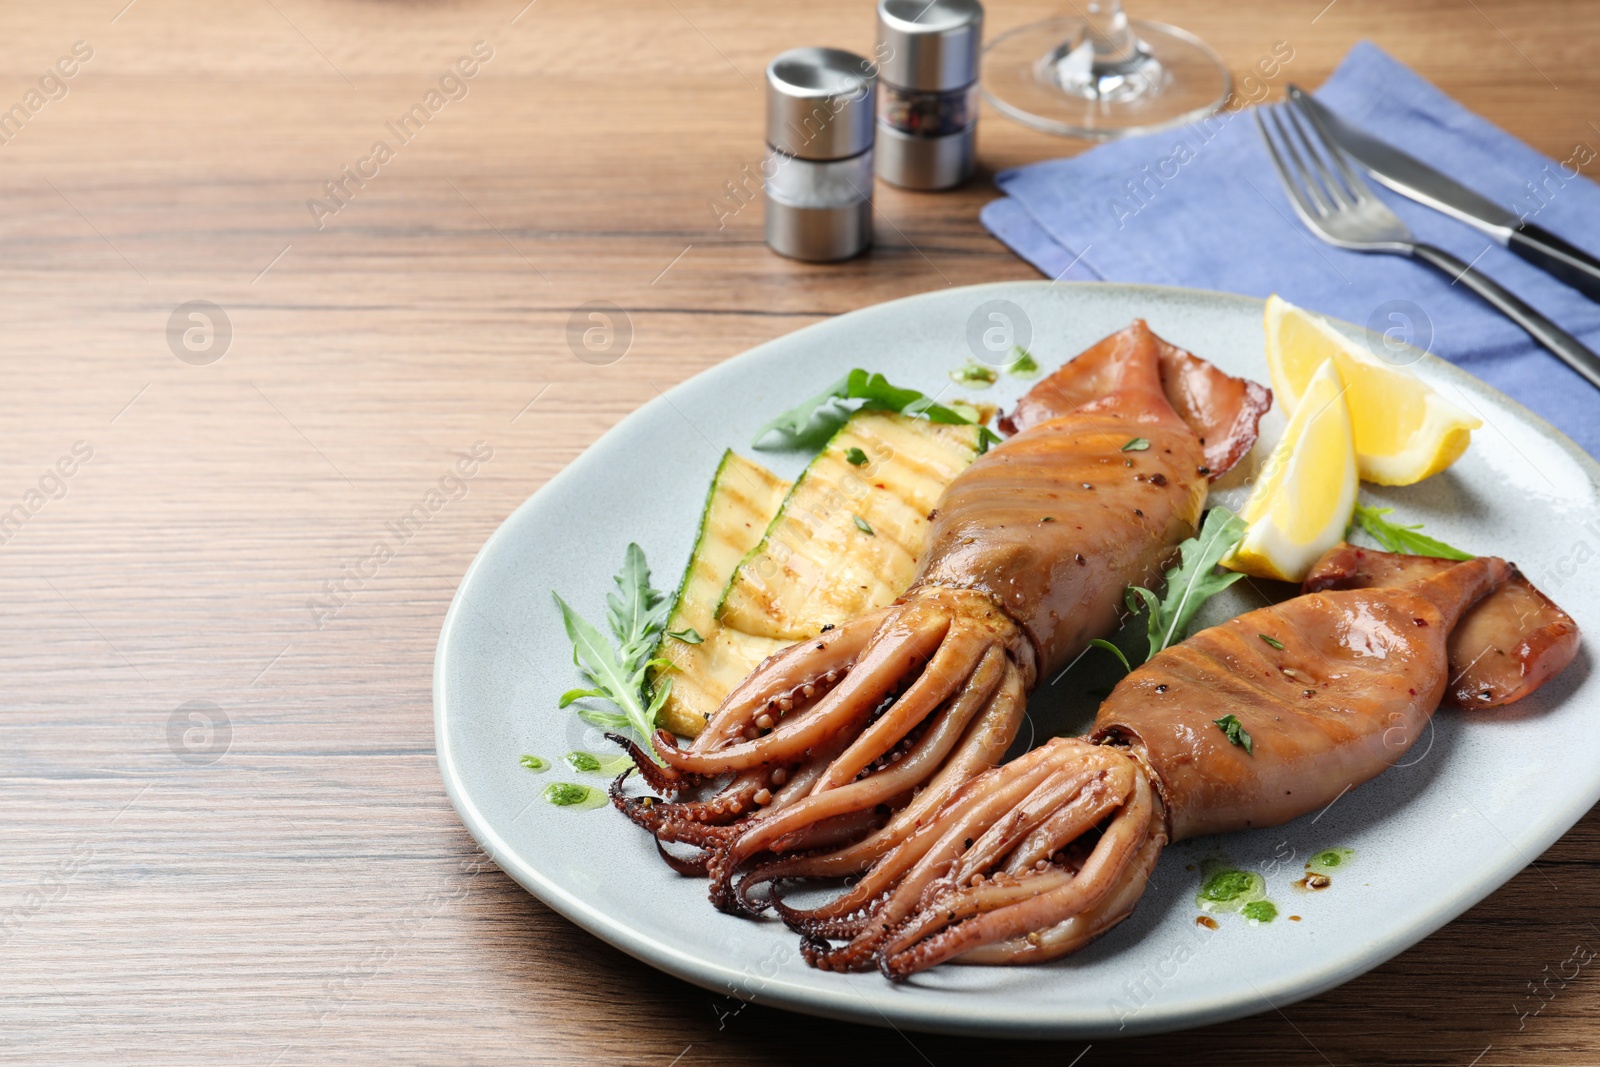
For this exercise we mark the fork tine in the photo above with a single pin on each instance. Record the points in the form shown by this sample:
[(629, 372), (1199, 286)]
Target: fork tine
[(1301, 185), (1342, 196), (1352, 178), (1302, 207)]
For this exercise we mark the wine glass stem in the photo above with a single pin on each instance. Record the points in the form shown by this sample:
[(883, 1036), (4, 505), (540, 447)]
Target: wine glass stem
[(1108, 31)]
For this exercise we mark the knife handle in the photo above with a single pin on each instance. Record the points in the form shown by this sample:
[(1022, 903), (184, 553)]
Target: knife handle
[(1551, 254), (1568, 348)]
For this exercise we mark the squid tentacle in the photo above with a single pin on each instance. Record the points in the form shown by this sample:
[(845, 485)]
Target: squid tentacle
[(965, 918), (905, 639), (995, 695), (929, 853), (944, 730), (783, 676), (666, 780)]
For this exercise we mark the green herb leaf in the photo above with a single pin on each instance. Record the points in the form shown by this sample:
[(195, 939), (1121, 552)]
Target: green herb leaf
[(975, 375), (604, 719), (1192, 582), (855, 457), (1024, 366), (636, 612), (535, 764), (861, 524), (688, 635), (1230, 725), (1404, 539), (809, 424), (1100, 642), (1273, 641), (1138, 444)]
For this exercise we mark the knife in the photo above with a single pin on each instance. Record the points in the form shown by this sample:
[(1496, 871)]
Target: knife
[(1412, 178)]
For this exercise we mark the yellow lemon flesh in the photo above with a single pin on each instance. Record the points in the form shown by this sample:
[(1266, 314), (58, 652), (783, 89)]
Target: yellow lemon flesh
[(1404, 431), (1301, 507)]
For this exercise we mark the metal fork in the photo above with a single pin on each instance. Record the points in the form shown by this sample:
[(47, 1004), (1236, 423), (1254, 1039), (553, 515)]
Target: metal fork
[(1338, 206)]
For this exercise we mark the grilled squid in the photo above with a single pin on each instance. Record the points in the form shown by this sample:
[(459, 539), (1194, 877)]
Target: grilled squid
[(1031, 860), (839, 750)]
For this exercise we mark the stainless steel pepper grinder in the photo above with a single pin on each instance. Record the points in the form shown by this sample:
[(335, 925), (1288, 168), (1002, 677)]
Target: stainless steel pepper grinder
[(818, 169), (928, 101)]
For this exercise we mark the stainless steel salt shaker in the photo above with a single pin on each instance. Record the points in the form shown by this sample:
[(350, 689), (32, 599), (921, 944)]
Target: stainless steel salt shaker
[(928, 100), (818, 169)]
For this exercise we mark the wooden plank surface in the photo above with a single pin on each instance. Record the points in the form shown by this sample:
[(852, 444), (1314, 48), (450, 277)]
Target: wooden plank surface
[(292, 886)]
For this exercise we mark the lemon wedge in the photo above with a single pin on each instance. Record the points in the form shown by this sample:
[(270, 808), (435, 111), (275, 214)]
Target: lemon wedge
[(1301, 507), (1404, 431)]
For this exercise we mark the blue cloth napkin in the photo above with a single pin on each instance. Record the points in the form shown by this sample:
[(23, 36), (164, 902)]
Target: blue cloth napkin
[(1201, 206)]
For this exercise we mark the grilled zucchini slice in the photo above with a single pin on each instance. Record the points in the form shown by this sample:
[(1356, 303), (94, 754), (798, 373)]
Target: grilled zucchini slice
[(774, 564), (850, 533), (743, 498)]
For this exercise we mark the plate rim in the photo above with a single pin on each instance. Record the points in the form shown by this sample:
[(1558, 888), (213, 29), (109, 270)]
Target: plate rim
[(849, 1003)]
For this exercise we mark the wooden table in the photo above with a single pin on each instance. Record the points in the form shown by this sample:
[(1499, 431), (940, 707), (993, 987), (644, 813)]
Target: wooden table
[(226, 840)]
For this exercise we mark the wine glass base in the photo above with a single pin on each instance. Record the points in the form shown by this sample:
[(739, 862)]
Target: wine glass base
[(1044, 75)]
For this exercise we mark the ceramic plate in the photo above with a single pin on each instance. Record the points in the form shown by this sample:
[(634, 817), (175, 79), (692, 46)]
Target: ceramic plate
[(1472, 803)]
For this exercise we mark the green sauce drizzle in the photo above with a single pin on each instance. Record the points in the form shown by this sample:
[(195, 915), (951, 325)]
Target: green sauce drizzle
[(1024, 366), (1328, 859), (589, 763), (974, 375), (569, 795), (1260, 911), (1225, 888), (535, 764), (1229, 886)]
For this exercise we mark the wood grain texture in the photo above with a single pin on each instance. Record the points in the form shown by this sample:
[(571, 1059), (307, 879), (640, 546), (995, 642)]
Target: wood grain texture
[(310, 896)]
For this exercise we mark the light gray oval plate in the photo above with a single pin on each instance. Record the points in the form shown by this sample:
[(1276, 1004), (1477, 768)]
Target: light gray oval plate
[(1472, 803)]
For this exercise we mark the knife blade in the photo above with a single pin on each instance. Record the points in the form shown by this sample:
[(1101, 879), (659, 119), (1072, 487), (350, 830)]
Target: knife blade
[(1410, 177)]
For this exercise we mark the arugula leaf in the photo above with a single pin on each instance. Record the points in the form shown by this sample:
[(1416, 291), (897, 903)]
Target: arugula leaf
[(1192, 582), (688, 635), (1100, 642), (1408, 540), (809, 424), (636, 612), (1234, 729)]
